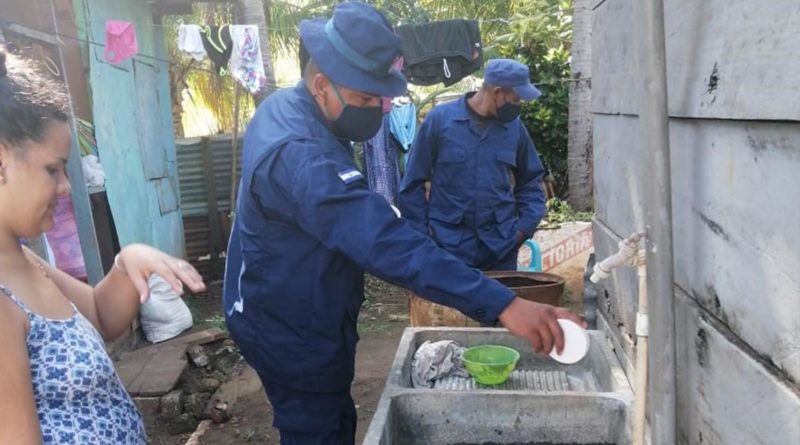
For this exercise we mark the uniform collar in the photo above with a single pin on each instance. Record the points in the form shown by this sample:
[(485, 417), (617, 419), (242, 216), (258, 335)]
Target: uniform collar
[(462, 112)]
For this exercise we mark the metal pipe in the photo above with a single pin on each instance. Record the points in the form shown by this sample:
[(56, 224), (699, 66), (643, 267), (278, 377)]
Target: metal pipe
[(654, 124), (234, 150), (630, 255), (640, 382)]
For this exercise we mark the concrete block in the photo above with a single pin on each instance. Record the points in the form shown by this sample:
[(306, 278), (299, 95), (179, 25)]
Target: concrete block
[(195, 404), (198, 356), (172, 404), (148, 406)]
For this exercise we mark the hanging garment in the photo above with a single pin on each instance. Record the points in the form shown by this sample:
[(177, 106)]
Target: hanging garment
[(247, 66), (403, 124), (387, 101), (190, 41), (121, 41), (218, 45), (443, 52), (381, 163), (402, 157)]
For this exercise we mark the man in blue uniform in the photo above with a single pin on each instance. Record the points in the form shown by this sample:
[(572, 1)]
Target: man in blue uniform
[(307, 227), (485, 177)]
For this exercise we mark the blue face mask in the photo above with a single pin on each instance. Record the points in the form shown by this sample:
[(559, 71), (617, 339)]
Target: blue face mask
[(356, 123)]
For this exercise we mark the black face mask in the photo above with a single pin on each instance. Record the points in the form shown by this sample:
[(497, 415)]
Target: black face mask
[(356, 123), (508, 112)]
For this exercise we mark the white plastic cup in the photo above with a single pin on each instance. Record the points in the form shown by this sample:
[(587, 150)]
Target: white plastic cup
[(576, 343)]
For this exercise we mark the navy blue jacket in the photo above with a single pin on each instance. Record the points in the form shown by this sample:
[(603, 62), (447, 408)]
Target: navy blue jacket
[(485, 183), (306, 229)]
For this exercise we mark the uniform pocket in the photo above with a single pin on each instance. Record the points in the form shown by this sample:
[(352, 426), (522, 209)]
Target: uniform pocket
[(447, 214), (445, 224), (506, 219), (449, 168), (452, 154), (508, 157), (506, 164)]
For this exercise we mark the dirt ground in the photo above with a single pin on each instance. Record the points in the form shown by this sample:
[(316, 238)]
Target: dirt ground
[(381, 323), (383, 318)]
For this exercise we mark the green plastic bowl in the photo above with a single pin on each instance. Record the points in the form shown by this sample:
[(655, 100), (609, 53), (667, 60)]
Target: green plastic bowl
[(490, 364)]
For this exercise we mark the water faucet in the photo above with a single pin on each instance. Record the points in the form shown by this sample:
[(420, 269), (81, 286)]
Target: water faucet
[(627, 256)]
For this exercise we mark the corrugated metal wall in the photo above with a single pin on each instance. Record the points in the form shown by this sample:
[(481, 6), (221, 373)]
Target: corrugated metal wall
[(205, 232)]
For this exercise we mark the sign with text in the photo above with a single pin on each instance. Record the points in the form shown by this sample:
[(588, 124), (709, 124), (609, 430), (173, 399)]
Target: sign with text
[(566, 249)]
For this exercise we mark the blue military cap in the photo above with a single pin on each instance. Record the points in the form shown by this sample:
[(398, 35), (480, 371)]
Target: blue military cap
[(511, 74), (356, 48)]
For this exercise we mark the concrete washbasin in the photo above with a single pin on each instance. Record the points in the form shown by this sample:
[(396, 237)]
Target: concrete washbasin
[(548, 403)]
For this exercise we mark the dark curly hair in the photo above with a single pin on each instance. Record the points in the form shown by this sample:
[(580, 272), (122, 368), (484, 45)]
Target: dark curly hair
[(28, 101)]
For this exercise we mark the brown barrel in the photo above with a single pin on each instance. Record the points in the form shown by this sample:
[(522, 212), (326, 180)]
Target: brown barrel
[(535, 286), (540, 287)]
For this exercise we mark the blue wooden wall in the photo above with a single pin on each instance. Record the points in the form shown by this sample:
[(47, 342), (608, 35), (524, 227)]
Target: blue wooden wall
[(133, 124)]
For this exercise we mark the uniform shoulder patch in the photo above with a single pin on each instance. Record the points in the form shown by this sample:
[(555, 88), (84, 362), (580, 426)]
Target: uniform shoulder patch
[(350, 175)]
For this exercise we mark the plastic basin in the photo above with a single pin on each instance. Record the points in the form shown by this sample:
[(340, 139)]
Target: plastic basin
[(490, 364)]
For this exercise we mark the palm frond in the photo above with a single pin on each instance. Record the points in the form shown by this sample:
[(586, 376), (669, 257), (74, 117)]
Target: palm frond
[(285, 17)]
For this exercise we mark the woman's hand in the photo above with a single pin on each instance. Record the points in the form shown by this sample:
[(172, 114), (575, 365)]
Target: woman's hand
[(139, 261)]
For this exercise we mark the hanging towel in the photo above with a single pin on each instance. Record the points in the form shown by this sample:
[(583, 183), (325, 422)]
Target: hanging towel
[(247, 66), (445, 51), (403, 124), (121, 41), (218, 45), (381, 163), (190, 41)]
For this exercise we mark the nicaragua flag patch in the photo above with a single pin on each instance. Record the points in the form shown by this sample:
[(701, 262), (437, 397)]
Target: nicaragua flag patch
[(350, 176)]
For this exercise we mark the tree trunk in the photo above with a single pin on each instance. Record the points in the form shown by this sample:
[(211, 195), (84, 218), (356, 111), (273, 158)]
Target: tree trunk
[(255, 12), (579, 158)]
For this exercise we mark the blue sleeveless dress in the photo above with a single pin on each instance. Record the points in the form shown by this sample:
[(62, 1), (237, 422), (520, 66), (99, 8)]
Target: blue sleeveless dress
[(79, 397)]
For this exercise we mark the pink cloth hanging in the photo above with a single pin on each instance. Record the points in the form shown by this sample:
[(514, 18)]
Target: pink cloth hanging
[(120, 41), (387, 101)]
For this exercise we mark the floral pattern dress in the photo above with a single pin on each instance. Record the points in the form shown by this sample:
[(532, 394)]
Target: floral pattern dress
[(79, 397)]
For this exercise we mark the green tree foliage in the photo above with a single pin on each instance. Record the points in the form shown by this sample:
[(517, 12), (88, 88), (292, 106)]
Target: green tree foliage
[(540, 36), (205, 88), (535, 32)]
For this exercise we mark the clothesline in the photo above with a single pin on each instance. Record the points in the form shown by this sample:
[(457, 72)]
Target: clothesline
[(161, 25), (189, 66), (271, 28), (565, 79)]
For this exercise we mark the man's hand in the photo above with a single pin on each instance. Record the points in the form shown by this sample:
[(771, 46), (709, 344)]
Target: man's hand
[(536, 322)]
